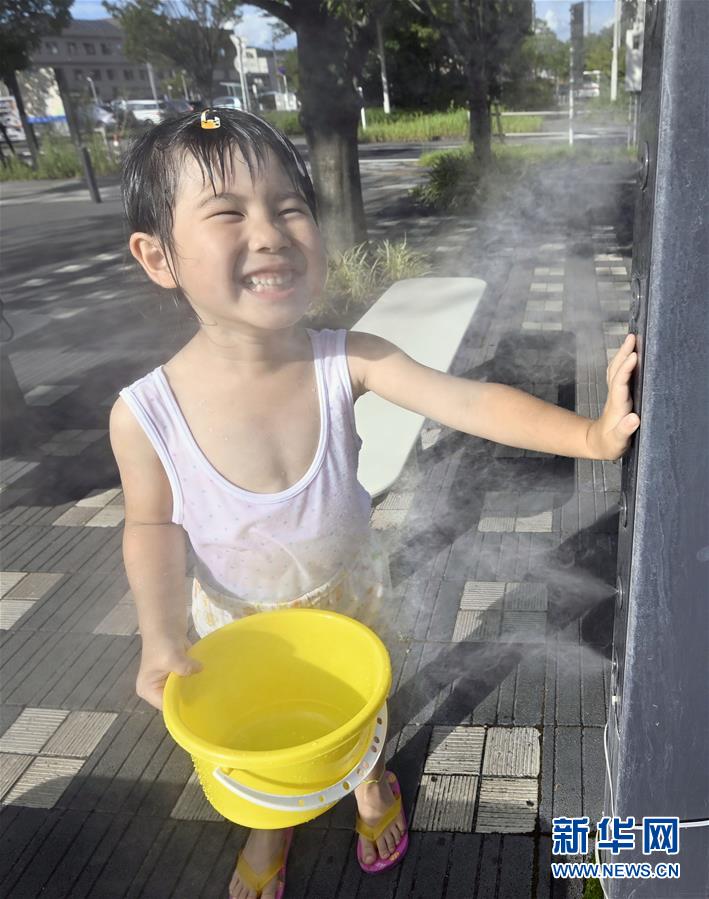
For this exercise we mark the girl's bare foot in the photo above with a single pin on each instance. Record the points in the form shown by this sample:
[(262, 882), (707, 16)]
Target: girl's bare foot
[(373, 801), (261, 849)]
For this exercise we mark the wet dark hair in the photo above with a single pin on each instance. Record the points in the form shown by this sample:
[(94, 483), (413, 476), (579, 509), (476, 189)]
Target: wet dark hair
[(150, 174)]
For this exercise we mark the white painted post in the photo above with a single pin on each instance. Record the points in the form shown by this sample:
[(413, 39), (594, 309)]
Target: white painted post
[(383, 67), (614, 63)]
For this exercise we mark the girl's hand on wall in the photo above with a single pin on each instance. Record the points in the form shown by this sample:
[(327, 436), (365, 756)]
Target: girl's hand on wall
[(158, 660), (609, 436)]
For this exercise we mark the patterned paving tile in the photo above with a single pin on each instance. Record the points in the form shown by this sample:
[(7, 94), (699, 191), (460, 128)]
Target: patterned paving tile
[(540, 523), (122, 620), (11, 767), (507, 805), (34, 586), (71, 442), (396, 501), (445, 803), (527, 596), (192, 804), (482, 595), (8, 579), (388, 518), (31, 730), (109, 517), (79, 734), (455, 750), (475, 626), (97, 500), (43, 782), (47, 394), (11, 610), (429, 436), (13, 469), (615, 328), (496, 523), (524, 627), (512, 752), (75, 517)]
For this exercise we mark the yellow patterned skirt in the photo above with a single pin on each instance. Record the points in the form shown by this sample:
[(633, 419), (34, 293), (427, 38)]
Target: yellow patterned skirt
[(357, 590)]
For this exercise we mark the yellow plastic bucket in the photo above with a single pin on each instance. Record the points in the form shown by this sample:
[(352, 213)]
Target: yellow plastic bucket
[(287, 716)]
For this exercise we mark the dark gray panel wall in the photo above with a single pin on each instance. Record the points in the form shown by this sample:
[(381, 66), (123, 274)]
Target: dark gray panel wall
[(659, 731)]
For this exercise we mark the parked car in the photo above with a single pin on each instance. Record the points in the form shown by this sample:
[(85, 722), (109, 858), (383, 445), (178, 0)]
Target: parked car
[(146, 112), (229, 102), (176, 107), (101, 115)]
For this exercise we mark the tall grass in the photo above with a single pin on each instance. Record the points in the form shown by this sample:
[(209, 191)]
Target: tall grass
[(410, 125), (418, 127), (357, 277)]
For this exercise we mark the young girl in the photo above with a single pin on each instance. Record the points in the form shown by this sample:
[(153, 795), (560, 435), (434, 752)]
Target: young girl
[(244, 443)]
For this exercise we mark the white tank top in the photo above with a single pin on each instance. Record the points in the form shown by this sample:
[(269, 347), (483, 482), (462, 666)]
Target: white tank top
[(265, 547)]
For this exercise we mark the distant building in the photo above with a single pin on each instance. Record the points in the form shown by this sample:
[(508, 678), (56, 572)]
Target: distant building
[(94, 48)]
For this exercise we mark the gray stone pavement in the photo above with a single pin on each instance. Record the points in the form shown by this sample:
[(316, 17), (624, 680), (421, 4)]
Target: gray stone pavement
[(503, 563)]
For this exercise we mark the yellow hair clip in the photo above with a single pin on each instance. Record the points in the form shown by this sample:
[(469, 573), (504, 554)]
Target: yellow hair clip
[(210, 120)]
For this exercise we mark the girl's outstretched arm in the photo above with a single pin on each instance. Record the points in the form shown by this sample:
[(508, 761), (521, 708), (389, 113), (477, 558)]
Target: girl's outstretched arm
[(495, 411), (154, 555)]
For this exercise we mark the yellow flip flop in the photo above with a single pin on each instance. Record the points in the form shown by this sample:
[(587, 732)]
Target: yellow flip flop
[(257, 882)]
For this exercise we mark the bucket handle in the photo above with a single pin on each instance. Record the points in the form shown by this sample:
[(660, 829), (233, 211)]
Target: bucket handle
[(308, 802)]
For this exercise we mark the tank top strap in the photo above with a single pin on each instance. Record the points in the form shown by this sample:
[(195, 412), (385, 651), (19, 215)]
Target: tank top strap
[(331, 347), (145, 399)]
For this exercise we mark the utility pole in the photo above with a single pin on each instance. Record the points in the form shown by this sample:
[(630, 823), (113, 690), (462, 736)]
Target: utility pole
[(571, 93), (240, 45), (93, 88), (151, 77), (614, 64)]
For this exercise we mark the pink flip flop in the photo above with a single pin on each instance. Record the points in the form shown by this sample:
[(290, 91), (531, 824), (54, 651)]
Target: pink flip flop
[(257, 882), (373, 833)]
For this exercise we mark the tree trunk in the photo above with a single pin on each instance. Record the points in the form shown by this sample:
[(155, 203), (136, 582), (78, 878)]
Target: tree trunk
[(479, 106), (14, 88), (330, 117)]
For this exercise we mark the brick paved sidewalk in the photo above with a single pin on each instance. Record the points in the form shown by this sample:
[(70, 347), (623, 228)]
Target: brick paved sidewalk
[(503, 563)]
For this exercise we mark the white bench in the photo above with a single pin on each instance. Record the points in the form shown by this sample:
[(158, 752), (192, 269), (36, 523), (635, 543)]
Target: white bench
[(426, 318)]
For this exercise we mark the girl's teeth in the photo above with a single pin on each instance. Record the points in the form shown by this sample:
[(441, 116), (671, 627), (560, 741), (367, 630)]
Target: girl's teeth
[(270, 282)]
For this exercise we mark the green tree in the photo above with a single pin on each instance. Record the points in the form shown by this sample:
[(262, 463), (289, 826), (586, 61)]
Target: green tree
[(189, 37), (598, 52), (485, 37), (422, 72), (334, 38), (544, 53), (23, 24)]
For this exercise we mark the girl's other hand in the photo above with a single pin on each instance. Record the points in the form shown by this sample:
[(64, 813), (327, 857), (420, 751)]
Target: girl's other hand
[(158, 660), (609, 436)]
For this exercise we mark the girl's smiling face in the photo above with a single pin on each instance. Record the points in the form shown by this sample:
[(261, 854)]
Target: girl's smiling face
[(250, 256)]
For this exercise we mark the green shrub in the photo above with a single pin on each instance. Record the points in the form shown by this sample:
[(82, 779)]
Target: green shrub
[(454, 179), (288, 121)]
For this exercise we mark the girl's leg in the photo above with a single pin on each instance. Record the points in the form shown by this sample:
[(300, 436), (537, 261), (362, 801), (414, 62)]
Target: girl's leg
[(262, 847), (373, 801)]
